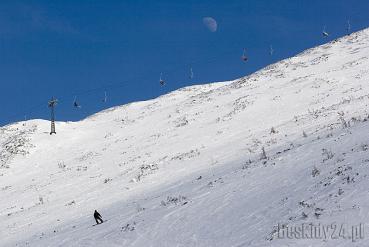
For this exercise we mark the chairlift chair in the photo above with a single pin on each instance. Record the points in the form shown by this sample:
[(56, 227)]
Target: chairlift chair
[(105, 98), (325, 34), (348, 28), (271, 51), (161, 81), (75, 103), (244, 57), (191, 73)]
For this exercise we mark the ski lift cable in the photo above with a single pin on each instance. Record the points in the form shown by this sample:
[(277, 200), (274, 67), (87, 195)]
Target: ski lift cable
[(121, 84), (107, 87), (209, 60), (27, 112), (124, 83)]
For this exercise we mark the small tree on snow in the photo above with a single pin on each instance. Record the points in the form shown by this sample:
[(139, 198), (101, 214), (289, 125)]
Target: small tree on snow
[(343, 121), (315, 172), (263, 154)]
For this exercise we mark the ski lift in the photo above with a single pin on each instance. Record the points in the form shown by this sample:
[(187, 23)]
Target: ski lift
[(105, 98), (25, 119), (271, 51), (348, 28), (161, 81), (191, 73), (244, 57), (325, 34), (75, 103)]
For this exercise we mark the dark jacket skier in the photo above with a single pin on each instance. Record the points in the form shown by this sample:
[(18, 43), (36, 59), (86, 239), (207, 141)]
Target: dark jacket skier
[(98, 217)]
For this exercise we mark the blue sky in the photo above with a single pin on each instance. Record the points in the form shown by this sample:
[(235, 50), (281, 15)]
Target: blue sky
[(82, 48)]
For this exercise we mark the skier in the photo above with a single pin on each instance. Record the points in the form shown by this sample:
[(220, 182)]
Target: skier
[(98, 217)]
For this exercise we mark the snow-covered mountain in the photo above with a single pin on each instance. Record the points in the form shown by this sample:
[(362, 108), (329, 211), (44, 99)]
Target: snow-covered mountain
[(235, 163)]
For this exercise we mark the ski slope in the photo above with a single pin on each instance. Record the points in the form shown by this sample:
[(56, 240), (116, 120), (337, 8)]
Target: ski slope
[(186, 169)]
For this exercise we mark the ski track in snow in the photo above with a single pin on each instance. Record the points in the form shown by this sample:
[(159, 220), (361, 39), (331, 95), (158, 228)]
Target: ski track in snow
[(186, 169)]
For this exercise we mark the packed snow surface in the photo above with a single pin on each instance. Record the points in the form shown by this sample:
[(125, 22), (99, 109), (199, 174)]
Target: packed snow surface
[(224, 164)]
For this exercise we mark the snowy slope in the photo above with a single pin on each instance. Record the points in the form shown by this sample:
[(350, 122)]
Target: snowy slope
[(186, 169)]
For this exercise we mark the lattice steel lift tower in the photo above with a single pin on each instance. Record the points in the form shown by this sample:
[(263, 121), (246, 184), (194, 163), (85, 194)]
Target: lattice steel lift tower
[(52, 104)]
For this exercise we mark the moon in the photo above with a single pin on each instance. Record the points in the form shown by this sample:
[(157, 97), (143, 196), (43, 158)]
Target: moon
[(210, 23)]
